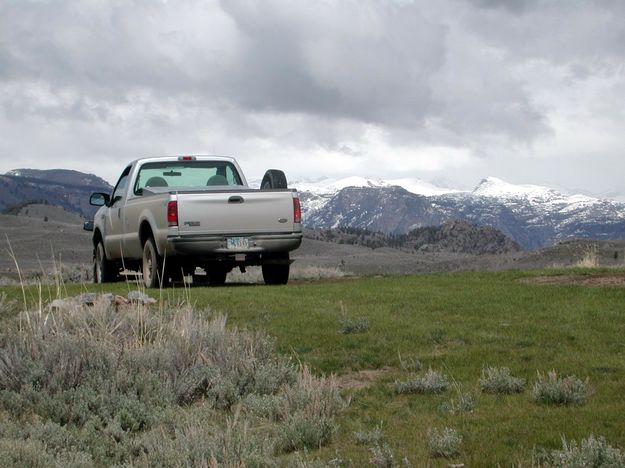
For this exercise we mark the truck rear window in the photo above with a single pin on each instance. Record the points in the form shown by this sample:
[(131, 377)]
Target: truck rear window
[(183, 175)]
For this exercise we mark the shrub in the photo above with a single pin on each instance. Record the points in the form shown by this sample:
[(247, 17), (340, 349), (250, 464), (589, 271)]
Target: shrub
[(591, 452), (431, 382), (299, 431), (444, 443), (369, 437), (194, 438), (382, 456), (498, 380), (112, 387), (553, 390), (353, 325)]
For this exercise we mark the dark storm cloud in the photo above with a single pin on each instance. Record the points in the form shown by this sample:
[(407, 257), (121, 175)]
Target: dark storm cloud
[(368, 61)]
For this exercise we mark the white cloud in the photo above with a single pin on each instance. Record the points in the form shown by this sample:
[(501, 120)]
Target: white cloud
[(455, 88)]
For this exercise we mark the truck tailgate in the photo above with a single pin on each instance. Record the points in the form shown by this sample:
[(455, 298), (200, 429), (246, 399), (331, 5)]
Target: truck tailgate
[(235, 212)]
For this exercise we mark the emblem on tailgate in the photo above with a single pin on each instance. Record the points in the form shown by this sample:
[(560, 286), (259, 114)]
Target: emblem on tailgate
[(192, 223)]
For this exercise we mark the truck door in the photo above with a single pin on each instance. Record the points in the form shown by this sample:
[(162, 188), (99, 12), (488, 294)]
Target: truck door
[(115, 217)]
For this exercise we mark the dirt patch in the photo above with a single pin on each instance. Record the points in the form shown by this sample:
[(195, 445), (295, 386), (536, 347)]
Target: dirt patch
[(361, 379), (583, 280)]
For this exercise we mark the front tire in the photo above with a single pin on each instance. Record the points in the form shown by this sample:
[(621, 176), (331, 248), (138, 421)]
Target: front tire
[(104, 271), (151, 265)]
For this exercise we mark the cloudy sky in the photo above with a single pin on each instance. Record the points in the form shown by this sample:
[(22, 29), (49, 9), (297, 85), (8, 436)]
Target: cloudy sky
[(531, 91)]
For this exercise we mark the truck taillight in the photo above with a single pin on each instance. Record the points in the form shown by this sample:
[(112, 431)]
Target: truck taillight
[(297, 211), (172, 213)]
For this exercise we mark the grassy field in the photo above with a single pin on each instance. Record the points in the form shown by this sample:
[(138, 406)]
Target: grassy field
[(453, 323)]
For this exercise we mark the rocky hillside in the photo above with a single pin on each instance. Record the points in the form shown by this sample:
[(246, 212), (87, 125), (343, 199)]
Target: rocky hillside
[(460, 237), (452, 237)]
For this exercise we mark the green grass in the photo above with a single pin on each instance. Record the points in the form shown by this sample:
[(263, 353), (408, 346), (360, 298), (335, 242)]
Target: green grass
[(458, 323)]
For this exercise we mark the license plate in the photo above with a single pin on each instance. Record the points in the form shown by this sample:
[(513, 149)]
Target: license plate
[(238, 243)]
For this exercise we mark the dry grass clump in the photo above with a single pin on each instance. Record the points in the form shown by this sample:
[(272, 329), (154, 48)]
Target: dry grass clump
[(590, 259), (410, 364), (551, 389), (7, 306), (464, 404), (431, 382), (591, 452), (132, 386), (445, 442), (499, 380)]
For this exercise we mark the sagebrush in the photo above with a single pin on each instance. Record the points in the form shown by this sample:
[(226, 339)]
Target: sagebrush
[(551, 389), (132, 385), (499, 380)]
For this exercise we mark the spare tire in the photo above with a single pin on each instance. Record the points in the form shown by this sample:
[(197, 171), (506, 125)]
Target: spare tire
[(273, 179)]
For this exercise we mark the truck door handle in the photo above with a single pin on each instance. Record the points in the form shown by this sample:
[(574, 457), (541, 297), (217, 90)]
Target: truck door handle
[(235, 199)]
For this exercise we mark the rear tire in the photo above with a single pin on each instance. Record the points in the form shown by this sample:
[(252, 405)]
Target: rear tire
[(104, 271), (151, 265), (276, 273), (273, 179)]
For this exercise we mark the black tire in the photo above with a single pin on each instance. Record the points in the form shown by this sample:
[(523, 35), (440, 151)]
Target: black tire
[(273, 179), (151, 265), (276, 273), (104, 271)]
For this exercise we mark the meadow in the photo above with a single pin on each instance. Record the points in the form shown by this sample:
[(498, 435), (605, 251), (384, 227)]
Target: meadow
[(381, 337)]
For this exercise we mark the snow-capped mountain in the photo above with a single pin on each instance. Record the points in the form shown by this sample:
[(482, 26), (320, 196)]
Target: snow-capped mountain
[(534, 216)]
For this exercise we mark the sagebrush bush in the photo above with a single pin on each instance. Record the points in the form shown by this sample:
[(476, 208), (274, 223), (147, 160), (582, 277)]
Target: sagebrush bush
[(382, 456), (431, 382), (353, 325), (499, 380), (118, 381), (369, 437), (591, 452), (551, 389), (445, 442)]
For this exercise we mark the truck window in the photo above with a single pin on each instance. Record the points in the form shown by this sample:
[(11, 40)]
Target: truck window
[(186, 175), (120, 187)]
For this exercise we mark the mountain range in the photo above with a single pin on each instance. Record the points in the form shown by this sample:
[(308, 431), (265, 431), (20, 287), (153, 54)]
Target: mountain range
[(533, 216), (61, 187)]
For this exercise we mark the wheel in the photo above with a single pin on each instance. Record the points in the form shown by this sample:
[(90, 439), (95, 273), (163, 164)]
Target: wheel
[(273, 179), (104, 271), (276, 273), (216, 276), (151, 266)]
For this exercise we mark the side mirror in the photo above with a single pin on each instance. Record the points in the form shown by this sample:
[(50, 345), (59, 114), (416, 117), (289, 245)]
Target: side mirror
[(99, 199), (88, 226)]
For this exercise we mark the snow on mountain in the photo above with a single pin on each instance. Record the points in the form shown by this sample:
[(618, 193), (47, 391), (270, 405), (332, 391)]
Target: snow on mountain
[(497, 188), (327, 185)]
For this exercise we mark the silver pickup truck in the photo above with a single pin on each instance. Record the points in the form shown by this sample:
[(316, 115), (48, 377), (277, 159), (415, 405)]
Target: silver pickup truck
[(170, 217)]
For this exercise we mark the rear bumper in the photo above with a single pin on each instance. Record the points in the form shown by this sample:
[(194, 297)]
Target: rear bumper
[(207, 246)]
